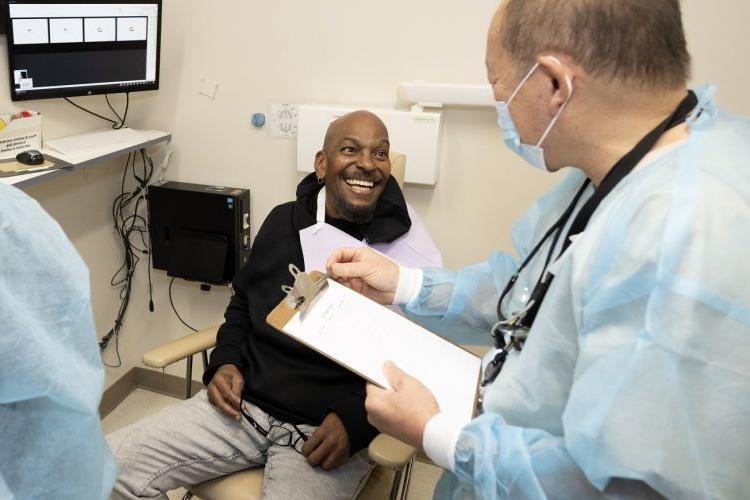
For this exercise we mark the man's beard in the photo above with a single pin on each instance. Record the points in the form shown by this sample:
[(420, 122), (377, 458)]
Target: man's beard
[(356, 214)]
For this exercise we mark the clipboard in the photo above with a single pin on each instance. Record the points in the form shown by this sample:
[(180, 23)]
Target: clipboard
[(360, 335)]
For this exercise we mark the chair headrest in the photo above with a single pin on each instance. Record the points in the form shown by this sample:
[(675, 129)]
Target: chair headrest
[(398, 167)]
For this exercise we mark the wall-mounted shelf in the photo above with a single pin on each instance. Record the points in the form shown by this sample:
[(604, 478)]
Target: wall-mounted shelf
[(90, 158), (438, 95)]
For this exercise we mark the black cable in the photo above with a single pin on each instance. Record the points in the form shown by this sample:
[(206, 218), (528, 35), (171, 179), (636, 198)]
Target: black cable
[(150, 284), (91, 112), (106, 98), (146, 159), (175, 309), (117, 125), (117, 207), (127, 106), (129, 222), (124, 116), (148, 245)]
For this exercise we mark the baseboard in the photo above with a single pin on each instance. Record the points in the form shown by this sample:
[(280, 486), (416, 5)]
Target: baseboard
[(142, 378), (117, 392), (162, 383)]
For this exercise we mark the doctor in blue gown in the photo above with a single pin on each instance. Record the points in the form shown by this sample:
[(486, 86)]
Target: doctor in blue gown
[(621, 366), (51, 375)]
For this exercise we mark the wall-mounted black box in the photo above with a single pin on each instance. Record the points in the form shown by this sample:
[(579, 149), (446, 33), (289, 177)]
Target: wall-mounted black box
[(198, 232)]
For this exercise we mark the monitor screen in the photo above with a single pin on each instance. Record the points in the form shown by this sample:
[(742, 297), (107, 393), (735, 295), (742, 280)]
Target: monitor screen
[(63, 49)]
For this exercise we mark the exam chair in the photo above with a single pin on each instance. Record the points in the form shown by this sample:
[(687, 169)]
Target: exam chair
[(394, 460)]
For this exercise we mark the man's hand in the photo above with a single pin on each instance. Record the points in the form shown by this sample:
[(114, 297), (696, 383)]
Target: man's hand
[(329, 444), (365, 271), (401, 412), (225, 390)]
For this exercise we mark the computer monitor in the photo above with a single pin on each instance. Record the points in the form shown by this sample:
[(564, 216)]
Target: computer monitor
[(66, 49)]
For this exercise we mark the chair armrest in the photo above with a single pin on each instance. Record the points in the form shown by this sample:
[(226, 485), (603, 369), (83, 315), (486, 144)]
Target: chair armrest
[(179, 349), (390, 452)]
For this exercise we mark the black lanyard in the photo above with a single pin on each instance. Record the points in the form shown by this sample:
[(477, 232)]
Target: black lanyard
[(620, 170)]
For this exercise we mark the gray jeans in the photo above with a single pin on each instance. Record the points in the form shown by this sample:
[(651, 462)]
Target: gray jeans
[(193, 441)]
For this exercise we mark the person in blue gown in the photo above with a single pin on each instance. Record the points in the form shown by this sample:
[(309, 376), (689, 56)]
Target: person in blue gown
[(621, 366), (51, 374)]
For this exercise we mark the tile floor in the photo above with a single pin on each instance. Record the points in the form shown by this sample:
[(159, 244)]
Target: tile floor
[(141, 403)]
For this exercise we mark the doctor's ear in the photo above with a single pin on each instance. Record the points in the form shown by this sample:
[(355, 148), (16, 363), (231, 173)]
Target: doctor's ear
[(321, 164), (560, 82)]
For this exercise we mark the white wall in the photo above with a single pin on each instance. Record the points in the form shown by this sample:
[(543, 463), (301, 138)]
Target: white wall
[(338, 51), (342, 54)]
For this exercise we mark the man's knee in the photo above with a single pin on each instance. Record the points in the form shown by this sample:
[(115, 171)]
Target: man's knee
[(288, 475), (129, 441), (116, 439), (157, 431)]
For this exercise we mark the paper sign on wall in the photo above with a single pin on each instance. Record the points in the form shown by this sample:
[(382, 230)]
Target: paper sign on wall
[(284, 120)]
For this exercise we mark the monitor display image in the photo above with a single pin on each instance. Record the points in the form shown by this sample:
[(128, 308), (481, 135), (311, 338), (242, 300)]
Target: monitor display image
[(64, 49)]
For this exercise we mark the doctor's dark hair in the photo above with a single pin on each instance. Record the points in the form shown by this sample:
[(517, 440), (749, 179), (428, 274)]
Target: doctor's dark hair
[(635, 41)]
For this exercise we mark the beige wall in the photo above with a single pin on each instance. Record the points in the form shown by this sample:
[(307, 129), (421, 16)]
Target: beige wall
[(336, 51)]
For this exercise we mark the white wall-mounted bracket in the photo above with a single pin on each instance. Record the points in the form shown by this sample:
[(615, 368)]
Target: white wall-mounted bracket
[(438, 95)]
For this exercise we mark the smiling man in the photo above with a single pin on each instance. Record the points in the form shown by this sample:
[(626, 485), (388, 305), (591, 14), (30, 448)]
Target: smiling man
[(354, 191), (272, 401)]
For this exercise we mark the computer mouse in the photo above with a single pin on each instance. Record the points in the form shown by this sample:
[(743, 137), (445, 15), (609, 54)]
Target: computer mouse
[(30, 157)]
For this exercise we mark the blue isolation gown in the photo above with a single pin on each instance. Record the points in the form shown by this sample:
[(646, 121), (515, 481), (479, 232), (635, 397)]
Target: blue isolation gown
[(51, 375), (635, 379)]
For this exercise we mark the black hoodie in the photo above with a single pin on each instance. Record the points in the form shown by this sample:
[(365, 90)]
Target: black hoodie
[(283, 377)]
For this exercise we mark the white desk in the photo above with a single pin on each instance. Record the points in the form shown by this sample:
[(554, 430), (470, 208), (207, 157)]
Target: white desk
[(90, 158)]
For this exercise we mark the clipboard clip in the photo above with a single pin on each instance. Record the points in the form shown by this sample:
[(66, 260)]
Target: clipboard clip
[(305, 289)]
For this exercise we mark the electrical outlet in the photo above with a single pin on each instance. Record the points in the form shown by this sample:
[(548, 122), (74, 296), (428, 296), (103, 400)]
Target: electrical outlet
[(209, 87)]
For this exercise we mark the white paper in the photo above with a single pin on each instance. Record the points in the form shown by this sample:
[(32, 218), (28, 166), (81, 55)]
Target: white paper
[(21, 135), (362, 335), (284, 120), (319, 243)]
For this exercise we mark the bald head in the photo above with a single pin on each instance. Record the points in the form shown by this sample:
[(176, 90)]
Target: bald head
[(342, 126), (638, 42), (355, 166)]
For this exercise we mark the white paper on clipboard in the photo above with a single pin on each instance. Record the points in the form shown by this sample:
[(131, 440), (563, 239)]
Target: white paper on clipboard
[(362, 335)]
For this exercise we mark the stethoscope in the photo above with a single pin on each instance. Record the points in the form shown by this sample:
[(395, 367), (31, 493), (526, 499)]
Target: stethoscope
[(512, 332)]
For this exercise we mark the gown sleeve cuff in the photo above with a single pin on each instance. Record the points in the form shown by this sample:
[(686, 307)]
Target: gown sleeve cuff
[(409, 285), (440, 438)]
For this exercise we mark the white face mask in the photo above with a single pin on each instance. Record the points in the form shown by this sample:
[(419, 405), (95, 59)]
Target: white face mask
[(534, 155)]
